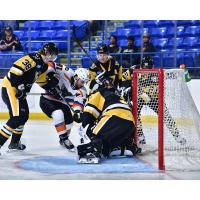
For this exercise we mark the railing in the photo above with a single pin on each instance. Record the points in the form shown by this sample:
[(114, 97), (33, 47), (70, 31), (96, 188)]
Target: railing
[(164, 59)]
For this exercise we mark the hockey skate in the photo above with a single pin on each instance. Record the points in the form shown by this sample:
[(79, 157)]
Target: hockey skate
[(16, 147), (89, 158), (65, 142)]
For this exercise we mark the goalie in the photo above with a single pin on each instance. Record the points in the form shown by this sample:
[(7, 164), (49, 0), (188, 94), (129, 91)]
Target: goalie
[(109, 123), (148, 95)]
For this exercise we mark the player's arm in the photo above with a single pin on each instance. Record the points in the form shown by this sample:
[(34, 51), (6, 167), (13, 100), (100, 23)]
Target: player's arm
[(93, 109), (92, 75)]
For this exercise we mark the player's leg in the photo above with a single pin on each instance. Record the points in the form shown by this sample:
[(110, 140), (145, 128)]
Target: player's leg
[(54, 110), (19, 112)]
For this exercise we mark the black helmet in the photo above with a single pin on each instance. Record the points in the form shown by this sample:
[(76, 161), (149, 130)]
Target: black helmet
[(102, 49), (147, 62), (50, 48)]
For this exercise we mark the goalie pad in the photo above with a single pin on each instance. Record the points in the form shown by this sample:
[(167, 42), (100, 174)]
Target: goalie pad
[(78, 135)]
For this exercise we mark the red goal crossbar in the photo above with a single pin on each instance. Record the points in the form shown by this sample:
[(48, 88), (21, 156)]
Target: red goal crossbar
[(160, 73)]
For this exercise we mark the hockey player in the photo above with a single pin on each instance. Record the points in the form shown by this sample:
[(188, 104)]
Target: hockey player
[(114, 127), (70, 92), (17, 83), (105, 63), (148, 95)]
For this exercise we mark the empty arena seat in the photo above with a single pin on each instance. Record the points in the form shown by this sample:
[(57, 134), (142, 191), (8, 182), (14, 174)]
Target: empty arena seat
[(19, 34), (123, 33), (190, 42), (34, 46), (62, 45), (157, 32), (179, 31), (60, 24), (187, 22), (33, 34), (46, 25), (171, 42), (150, 23), (166, 23), (122, 43), (192, 31), (160, 43), (47, 35), (33, 24), (61, 35), (138, 31), (133, 23), (78, 22), (188, 59)]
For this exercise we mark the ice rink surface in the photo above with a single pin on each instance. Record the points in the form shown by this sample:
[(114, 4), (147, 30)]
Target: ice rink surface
[(45, 159)]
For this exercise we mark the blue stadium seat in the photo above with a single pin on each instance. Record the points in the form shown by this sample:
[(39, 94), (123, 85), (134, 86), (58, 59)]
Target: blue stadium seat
[(34, 25), (86, 62), (138, 42), (187, 22), (179, 31), (190, 42), (19, 34), (188, 59), (78, 22), (157, 61), (47, 35), (46, 25), (166, 23), (62, 45), (60, 24), (171, 42), (192, 31), (160, 43), (34, 35), (61, 35), (35, 46), (138, 31), (151, 23), (122, 43), (157, 32), (122, 33), (133, 23)]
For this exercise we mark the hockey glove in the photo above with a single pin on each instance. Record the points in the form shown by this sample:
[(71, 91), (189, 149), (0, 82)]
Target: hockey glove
[(52, 80), (20, 92), (77, 116)]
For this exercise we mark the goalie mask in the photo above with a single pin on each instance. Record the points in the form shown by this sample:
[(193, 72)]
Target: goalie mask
[(49, 52), (102, 53), (147, 63)]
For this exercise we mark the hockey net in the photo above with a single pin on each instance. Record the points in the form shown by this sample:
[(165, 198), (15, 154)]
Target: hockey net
[(166, 118)]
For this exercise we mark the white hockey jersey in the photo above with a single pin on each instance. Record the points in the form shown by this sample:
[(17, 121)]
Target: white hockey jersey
[(75, 97)]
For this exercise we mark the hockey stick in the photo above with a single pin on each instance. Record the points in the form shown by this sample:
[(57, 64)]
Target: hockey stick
[(80, 45)]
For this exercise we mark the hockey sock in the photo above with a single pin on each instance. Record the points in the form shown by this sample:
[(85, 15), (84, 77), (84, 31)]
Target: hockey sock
[(17, 133), (5, 133)]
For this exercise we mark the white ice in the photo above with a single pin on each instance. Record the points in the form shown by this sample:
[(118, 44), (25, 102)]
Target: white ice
[(41, 140)]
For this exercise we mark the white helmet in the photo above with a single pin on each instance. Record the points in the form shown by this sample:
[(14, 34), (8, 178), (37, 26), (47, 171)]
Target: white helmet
[(82, 74)]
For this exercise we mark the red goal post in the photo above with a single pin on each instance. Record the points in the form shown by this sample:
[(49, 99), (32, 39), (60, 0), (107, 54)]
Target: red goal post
[(137, 73)]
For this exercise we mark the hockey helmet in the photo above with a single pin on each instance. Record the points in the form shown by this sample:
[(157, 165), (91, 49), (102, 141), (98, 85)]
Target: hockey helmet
[(49, 52), (102, 49), (82, 74)]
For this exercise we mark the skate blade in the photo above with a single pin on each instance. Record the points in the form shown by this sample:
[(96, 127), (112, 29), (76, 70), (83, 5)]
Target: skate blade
[(14, 150)]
